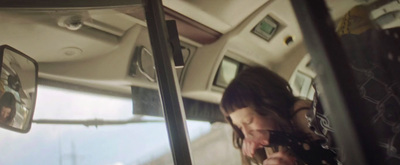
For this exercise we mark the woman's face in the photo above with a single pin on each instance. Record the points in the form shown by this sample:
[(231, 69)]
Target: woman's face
[(251, 123), (5, 112)]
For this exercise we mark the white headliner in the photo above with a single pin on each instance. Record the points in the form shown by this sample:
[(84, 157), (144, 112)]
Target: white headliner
[(108, 38)]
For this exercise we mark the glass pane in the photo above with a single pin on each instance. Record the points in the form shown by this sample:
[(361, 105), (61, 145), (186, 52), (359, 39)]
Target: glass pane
[(226, 72), (61, 142)]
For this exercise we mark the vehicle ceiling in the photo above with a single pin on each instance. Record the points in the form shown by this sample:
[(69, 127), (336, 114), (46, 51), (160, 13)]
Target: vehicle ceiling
[(98, 54)]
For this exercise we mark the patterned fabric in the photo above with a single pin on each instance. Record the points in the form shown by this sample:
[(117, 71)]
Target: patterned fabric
[(374, 57), (376, 65), (318, 121), (307, 152)]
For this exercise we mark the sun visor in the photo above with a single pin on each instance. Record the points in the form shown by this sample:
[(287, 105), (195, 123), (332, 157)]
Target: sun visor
[(147, 102)]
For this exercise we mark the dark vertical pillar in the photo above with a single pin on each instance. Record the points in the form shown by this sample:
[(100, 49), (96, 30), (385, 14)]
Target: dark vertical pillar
[(168, 83)]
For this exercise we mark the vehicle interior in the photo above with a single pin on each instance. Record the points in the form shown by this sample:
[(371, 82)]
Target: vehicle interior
[(104, 55)]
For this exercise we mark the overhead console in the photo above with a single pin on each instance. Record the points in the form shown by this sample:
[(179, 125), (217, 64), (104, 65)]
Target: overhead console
[(208, 75), (266, 28), (266, 37), (142, 62)]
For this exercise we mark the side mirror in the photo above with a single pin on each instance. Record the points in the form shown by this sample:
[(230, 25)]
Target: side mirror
[(18, 88)]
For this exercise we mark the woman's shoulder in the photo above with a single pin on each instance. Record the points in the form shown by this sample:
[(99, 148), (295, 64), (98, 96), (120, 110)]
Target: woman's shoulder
[(300, 109)]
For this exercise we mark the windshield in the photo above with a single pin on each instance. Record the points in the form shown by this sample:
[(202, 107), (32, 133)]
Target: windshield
[(96, 49), (135, 143)]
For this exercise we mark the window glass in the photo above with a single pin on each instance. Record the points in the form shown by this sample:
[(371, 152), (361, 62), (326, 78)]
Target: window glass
[(57, 142), (227, 72)]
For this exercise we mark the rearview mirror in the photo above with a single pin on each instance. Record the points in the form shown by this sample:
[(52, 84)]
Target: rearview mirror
[(18, 88)]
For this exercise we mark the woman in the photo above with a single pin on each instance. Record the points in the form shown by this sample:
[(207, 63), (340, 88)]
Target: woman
[(7, 108), (263, 111)]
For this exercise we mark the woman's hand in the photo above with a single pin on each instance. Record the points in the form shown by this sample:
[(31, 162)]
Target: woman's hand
[(280, 158), (254, 141)]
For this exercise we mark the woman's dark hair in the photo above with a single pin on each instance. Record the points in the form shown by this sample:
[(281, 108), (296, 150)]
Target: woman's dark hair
[(8, 100), (262, 90)]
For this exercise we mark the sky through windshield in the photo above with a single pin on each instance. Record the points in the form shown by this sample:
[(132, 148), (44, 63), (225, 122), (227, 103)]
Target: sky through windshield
[(129, 144)]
